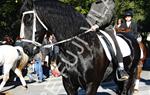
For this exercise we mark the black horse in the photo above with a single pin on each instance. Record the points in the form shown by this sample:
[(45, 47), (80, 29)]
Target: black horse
[(82, 59)]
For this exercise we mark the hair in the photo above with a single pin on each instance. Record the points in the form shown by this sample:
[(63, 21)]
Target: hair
[(60, 17), (120, 19)]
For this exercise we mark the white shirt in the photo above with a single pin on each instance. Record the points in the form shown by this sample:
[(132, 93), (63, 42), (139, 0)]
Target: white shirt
[(118, 25), (128, 23)]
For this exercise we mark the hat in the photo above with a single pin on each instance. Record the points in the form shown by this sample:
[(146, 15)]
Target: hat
[(128, 14)]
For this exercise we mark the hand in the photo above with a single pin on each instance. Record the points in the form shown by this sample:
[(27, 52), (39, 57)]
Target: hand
[(94, 27), (4, 42)]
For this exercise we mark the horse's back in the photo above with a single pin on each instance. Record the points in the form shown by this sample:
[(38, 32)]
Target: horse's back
[(8, 54)]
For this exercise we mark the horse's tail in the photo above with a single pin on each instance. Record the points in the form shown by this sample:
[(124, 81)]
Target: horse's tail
[(24, 58)]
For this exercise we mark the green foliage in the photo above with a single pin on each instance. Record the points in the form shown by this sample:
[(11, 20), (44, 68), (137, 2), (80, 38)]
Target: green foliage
[(140, 8), (81, 6), (9, 12), (128, 4)]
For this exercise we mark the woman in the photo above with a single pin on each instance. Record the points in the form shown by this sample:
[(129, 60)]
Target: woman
[(119, 25)]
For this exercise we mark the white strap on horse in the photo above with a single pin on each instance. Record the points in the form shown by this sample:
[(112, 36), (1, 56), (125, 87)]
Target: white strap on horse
[(148, 37), (66, 40), (35, 17)]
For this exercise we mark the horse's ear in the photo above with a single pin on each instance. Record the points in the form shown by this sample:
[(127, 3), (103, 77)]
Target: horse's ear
[(27, 5)]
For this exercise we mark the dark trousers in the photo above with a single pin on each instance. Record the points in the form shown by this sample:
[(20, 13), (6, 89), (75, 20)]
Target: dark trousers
[(119, 56), (54, 53)]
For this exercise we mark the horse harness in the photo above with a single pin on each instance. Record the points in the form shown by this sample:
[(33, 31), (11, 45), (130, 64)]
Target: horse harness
[(35, 18)]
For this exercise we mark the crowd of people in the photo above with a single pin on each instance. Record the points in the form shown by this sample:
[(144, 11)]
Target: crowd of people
[(39, 69), (44, 68)]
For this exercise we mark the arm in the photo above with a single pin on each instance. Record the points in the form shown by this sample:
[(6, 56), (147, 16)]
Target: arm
[(106, 20), (101, 14)]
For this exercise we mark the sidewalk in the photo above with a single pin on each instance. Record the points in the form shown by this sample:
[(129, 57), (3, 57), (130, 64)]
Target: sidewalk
[(53, 86)]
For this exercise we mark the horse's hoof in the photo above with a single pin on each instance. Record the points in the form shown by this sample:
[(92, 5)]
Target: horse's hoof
[(136, 91), (26, 87), (2, 93)]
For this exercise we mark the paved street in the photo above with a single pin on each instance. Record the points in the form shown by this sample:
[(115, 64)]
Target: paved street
[(53, 86)]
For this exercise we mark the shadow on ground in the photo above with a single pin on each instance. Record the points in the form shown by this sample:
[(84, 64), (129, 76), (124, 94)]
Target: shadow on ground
[(147, 82)]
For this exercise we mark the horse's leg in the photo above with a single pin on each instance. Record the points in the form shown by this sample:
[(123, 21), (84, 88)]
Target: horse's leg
[(70, 89), (91, 88), (6, 69), (122, 84), (129, 84), (5, 78), (140, 65), (139, 71), (19, 74)]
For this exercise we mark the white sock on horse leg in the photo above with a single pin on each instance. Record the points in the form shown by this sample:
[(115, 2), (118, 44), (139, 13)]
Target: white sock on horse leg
[(6, 69), (137, 84), (19, 74), (2, 85), (121, 65), (5, 78)]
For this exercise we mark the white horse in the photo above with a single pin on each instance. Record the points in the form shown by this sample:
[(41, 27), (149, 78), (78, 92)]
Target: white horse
[(12, 58)]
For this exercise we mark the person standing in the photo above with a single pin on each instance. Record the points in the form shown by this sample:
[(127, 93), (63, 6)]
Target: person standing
[(37, 60), (53, 54), (100, 17), (30, 71)]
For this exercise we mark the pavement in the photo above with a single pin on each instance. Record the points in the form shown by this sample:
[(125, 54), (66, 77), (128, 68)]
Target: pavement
[(53, 86)]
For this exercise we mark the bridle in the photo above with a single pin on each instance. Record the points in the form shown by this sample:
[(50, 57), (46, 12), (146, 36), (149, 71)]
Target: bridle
[(35, 18)]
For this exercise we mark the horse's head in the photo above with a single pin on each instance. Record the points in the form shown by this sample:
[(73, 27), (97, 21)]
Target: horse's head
[(32, 40), (32, 32), (40, 16), (53, 16), (31, 27)]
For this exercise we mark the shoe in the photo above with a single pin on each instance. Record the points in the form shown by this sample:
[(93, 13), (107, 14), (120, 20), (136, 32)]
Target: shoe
[(55, 73), (30, 80), (122, 75), (39, 81)]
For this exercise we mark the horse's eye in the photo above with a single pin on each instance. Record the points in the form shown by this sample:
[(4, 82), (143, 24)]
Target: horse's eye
[(28, 19)]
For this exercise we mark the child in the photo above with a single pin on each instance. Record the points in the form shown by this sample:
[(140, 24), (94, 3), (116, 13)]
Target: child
[(30, 69)]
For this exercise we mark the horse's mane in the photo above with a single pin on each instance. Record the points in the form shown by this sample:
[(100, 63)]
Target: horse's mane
[(60, 17)]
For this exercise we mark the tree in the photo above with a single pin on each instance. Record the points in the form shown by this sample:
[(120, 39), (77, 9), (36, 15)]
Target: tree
[(10, 12), (9, 16)]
